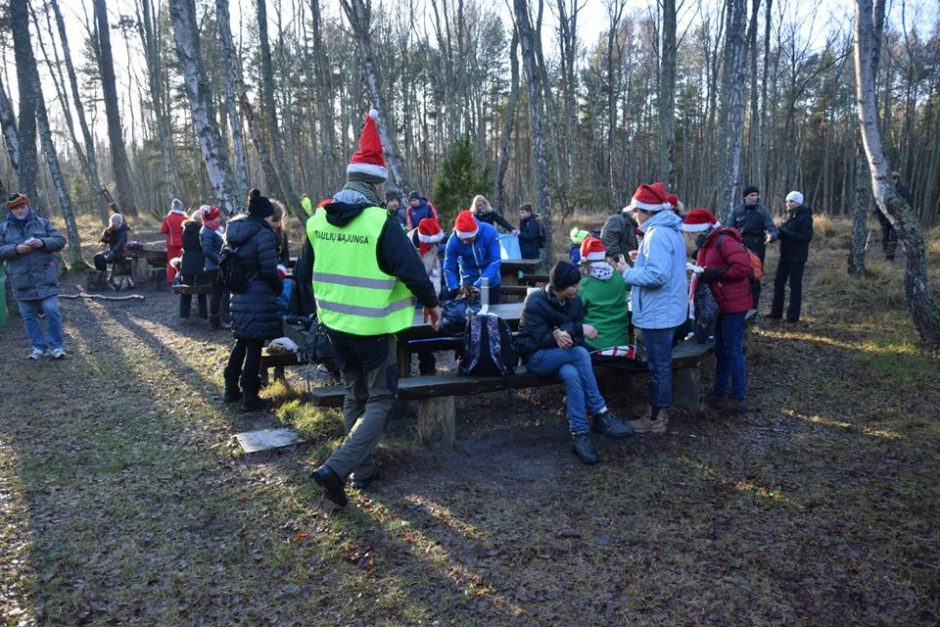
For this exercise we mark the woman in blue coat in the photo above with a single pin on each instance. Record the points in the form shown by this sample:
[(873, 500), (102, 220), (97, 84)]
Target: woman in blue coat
[(255, 316)]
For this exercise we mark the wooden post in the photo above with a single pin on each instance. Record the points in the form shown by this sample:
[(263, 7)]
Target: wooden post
[(685, 388), (436, 422), (140, 269)]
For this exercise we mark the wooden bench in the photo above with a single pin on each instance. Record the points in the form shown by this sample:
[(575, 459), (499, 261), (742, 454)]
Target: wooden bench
[(435, 393), (147, 265), (193, 290)]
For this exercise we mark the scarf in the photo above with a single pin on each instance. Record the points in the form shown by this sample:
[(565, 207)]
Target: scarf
[(601, 270), (212, 225), (365, 189)]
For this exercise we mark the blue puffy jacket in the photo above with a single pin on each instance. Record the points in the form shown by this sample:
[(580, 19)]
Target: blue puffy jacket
[(659, 298), (466, 264)]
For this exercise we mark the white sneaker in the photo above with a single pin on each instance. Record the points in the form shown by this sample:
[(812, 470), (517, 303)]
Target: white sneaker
[(58, 353), (37, 354)]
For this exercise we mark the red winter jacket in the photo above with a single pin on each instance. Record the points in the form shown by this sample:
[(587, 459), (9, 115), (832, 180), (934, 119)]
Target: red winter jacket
[(732, 289), (173, 229)]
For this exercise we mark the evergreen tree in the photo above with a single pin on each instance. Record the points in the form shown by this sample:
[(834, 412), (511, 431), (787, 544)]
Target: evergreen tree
[(459, 179)]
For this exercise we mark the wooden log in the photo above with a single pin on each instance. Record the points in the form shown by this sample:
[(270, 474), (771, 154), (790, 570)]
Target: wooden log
[(436, 422), (686, 383)]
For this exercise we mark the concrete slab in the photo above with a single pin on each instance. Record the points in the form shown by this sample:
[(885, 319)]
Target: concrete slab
[(266, 439)]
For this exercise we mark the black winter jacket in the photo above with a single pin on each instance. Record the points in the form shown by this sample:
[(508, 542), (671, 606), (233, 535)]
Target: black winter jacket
[(542, 313), (795, 236), (529, 235), (116, 241), (492, 218), (193, 259), (255, 313)]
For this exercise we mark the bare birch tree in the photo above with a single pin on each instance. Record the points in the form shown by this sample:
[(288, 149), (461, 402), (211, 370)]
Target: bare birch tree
[(186, 36), (920, 303), (667, 95)]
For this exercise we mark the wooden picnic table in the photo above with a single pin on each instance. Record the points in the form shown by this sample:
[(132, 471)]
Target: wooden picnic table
[(511, 270)]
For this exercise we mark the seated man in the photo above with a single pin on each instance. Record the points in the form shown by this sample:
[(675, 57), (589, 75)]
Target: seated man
[(551, 340), (115, 237), (471, 255)]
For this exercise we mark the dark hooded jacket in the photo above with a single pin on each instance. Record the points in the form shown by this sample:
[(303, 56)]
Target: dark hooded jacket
[(542, 313), (193, 258), (255, 314), (795, 235), (35, 275)]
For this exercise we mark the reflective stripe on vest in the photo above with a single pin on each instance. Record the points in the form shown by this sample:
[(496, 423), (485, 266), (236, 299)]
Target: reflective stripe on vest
[(353, 294)]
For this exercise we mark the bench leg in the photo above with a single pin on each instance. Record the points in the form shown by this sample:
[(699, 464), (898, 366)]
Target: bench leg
[(140, 269), (686, 386), (436, 422)]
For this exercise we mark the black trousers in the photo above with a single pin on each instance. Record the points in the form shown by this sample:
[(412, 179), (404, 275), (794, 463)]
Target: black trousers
[(186, 300), (244, 363), (792, 272)]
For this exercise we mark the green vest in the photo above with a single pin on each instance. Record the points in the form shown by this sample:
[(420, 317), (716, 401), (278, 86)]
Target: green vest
[(353, 295)]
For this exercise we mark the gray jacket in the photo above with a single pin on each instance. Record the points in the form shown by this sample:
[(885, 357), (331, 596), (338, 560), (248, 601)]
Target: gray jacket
[(35, 275), (619, 235)]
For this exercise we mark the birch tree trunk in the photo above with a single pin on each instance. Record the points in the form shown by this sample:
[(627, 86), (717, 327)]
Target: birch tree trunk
[(543, 195), (359, 14), (667, 96), (89, 158), (325, 99), (185, 33), (863, 191), (733, 101), (923, 309), (230, 81), (119, 161), (26, 131), (8, 127)]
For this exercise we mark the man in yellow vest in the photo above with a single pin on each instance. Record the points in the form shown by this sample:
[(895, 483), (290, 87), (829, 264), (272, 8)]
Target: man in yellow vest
[(365, 276)]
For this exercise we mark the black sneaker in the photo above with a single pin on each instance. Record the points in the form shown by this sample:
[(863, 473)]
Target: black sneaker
[(330, 481), (583, 447), (362, 484), (612, 426)]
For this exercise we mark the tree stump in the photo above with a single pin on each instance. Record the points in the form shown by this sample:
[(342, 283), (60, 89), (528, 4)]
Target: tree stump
[(436, 422), (686, 385)]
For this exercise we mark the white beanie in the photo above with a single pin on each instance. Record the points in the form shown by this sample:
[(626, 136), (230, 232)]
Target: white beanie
[(796, 197)]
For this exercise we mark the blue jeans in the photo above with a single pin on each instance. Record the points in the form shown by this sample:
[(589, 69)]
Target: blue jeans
[(658, 343), (729, 354), (30, 309), (573, 367)]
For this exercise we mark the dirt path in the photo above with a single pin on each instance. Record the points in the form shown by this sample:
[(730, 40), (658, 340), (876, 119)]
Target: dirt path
[(123, 499)]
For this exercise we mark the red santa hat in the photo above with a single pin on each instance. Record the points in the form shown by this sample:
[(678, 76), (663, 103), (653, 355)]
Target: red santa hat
[(699, 221), (367, 164), (465, 226), (649, 197), (673, 200), (592, 249), (430, 231)]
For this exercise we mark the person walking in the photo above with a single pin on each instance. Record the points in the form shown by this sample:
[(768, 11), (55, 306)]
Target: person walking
[(172, 228), (658, 296), (27, 244), (795, 234), (365, 275), (723, 263), (757, 229), (254, 311)]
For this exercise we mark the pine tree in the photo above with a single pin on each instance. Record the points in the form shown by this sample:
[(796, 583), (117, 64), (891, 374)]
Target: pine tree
[(459, 179)]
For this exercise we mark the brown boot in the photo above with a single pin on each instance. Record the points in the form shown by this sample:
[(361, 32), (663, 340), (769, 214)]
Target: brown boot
[(645, 425)]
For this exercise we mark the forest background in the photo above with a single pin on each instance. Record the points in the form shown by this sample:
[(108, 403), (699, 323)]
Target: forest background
[(706, 96)]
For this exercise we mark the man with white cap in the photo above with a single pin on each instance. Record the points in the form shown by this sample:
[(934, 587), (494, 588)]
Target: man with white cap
[(795, 234)]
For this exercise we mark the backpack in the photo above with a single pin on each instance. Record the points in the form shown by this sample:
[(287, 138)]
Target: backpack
[(488, 347), (757, 268), (233, 275), (541, 238), (705, 310)]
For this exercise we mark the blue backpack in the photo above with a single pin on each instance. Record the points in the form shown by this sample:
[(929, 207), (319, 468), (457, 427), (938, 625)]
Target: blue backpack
[(488, 347)]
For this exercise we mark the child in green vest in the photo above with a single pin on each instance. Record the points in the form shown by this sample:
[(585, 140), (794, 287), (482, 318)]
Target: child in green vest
[(605, 296)]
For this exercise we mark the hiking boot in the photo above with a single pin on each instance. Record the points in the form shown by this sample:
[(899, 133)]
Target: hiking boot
[(612, 426), (232, 393), (251, 402), (645, 425), (331, 483), (37, 354), (583, 447)]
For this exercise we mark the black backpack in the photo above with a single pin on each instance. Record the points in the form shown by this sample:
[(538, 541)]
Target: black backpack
[(488, 347), (233, 275)]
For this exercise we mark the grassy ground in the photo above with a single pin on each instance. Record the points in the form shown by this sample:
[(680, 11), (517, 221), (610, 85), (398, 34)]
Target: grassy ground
[(123, 499)]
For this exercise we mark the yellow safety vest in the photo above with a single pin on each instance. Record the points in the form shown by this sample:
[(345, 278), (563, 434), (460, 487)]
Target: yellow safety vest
[(353, 294)]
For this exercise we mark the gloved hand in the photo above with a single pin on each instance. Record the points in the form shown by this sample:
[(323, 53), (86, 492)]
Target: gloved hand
[(711, 274)]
